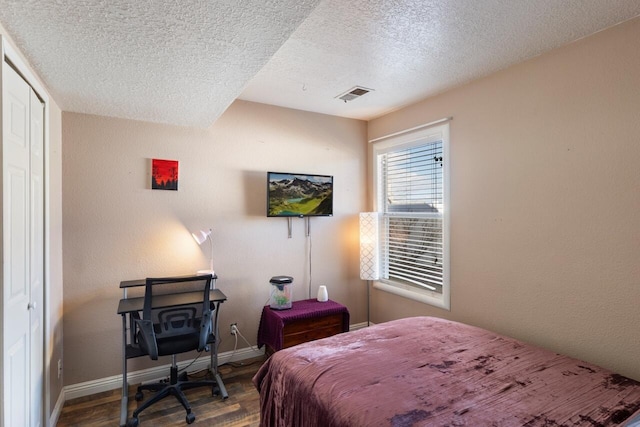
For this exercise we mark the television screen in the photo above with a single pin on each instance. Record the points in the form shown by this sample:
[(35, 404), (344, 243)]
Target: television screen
[(294, 194)]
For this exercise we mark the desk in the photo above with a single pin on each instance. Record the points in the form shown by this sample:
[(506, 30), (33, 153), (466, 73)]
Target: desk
[(130, 349), (306, 320)]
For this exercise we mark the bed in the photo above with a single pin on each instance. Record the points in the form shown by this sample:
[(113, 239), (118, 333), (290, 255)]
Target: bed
[(425, 371)]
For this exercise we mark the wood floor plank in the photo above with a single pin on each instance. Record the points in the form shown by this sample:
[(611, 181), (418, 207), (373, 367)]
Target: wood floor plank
[(241, 409)]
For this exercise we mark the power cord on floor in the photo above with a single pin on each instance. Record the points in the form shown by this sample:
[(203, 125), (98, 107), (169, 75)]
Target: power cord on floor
[(235, 345), (199, 374), (245, 340), (184, 368), (235, 348)]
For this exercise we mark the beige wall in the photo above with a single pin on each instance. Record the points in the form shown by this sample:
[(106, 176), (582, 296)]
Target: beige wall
[(545, 195), (116, 228), (53, 172)]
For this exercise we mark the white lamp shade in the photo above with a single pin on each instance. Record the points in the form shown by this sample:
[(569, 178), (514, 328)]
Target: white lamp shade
[(201, 236), (369, 254)]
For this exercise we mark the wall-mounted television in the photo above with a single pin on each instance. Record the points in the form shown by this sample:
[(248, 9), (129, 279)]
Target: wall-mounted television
[(298, 194)]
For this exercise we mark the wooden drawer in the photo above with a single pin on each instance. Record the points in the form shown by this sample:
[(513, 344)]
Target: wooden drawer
[(311, 329)]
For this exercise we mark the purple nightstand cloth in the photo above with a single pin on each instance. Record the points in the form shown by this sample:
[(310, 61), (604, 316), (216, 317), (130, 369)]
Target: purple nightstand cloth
[(272, 322)]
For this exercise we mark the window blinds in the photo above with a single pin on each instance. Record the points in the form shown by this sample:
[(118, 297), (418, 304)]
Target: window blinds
[(413, 215)]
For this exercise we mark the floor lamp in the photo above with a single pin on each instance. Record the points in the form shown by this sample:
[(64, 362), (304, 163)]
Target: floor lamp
[(369, 254)]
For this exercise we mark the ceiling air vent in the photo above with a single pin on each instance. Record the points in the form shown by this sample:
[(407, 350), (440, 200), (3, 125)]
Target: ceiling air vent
[(353, 93)]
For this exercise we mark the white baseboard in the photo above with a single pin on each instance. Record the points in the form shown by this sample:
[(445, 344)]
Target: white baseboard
[(57, 410), (156, 373), (357, 326), (88, 388)]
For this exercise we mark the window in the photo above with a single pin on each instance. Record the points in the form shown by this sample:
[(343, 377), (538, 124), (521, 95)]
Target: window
[(411, 189)]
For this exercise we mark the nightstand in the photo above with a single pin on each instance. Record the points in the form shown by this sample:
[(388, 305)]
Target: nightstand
[(306, 320)]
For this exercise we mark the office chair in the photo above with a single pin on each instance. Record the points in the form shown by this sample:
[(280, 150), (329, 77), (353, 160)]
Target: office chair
[(172, 330)]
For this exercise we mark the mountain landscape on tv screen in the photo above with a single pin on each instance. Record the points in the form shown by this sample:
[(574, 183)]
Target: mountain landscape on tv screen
[(296, 195)]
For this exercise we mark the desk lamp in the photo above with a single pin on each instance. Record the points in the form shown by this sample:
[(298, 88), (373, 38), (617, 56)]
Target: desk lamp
[(369, 254), (200, 237)]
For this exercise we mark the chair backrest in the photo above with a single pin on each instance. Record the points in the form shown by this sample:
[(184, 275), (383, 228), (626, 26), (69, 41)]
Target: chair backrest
[(175, 329), (177, 321)]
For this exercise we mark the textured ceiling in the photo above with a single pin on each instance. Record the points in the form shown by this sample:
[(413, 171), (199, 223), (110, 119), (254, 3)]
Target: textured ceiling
[(181, 62), (184, 62), (407, 50)]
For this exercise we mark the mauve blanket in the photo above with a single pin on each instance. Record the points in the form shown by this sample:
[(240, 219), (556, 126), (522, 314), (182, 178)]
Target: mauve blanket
[(424, 371)]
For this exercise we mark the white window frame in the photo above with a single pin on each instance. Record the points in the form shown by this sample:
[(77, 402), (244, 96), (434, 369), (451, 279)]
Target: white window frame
[(402, 140)]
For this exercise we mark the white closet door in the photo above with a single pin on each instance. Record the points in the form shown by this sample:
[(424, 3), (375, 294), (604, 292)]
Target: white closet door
[(22, 246), (36, 243)]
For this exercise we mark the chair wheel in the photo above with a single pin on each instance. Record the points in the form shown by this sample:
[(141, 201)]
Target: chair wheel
[(191, 417), (139, 396), (132, 422)]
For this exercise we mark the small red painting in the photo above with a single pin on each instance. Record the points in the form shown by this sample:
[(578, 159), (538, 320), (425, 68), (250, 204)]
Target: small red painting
[(164, 174)]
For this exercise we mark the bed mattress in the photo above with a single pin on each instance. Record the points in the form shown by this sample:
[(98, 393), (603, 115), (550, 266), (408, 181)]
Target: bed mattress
[(426, 371)]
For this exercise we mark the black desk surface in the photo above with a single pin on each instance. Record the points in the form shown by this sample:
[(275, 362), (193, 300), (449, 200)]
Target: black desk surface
[(130, 305), (141, 282)]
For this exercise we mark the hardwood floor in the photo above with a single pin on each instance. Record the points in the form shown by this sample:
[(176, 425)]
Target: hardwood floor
[(242, 408)]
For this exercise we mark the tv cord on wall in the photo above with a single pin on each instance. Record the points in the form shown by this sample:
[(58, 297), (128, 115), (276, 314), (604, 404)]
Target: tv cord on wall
[(310, 249)]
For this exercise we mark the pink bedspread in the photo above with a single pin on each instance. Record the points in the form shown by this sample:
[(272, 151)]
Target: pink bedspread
[(426, 371)]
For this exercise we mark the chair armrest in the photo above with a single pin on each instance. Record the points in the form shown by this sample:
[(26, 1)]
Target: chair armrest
[(149, 335), (205, 330)]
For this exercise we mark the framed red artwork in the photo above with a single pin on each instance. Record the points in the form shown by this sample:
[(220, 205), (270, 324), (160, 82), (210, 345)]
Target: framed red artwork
[(164, 174)]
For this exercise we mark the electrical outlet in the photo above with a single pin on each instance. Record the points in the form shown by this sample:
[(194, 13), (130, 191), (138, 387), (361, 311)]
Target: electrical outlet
[(59, 368), (233, 328)]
